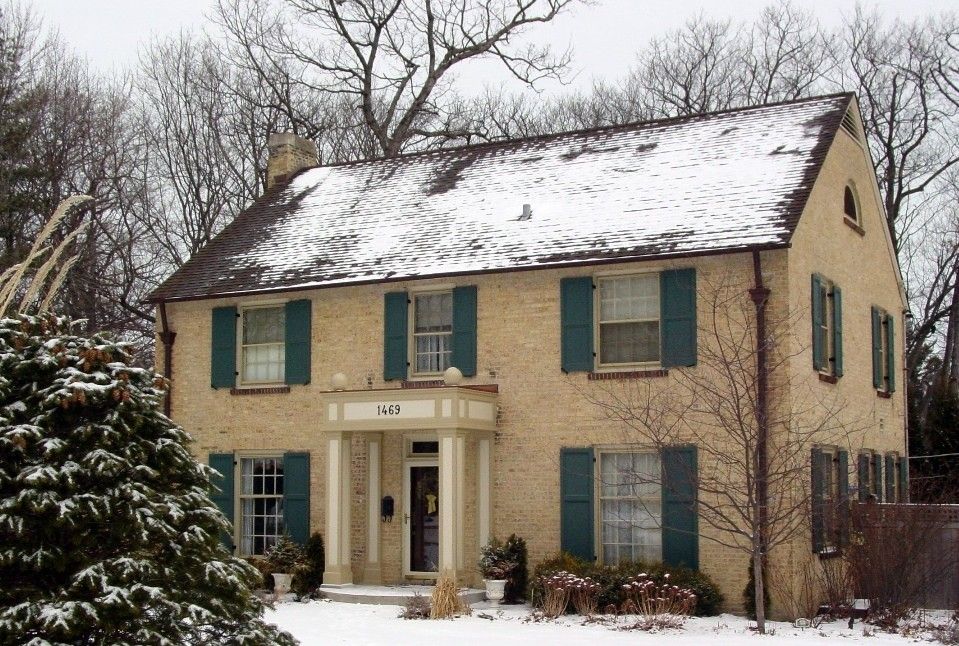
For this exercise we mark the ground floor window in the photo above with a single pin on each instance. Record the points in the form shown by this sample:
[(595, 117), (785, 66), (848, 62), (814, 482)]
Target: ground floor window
[(261, 504), (630, 508)]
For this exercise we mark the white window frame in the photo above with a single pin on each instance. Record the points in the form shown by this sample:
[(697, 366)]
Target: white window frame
[(855, 199), (598, 455), (239, 497), (412, 334), (598, 322), (241, 366)]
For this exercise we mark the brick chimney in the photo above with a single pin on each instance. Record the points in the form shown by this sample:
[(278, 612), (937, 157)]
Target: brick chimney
[(288, 153)]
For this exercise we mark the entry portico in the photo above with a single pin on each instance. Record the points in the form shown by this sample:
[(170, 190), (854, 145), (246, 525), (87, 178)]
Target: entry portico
[(441, 418)]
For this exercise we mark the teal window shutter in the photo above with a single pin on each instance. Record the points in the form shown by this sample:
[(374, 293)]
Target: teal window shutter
[(876, 349), (463, 354), (680, 517), (223, 351), (576, 320), (677, 294), (296, 496), (903, 479), (395, 322), (837, 330), (818, 318), (223, 496), (818, 501), (862, 476), (891, 353), (576, 502), (842, 458), (890, 478), (298, 327)]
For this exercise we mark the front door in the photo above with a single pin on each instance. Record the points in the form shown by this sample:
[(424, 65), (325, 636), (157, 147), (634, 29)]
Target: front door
[(422, 519)]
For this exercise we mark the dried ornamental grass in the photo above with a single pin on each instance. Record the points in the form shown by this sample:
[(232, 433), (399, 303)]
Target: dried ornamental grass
[(446, 602), (659, 606)]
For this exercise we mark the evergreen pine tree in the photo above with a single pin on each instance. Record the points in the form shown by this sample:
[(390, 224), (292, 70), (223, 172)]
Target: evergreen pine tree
[(107, 531)]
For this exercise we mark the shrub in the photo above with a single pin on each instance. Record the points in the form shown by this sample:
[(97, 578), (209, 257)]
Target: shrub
[(749, 592), (416, 607), (611, 580), (495, 561), (644, 596), (519, 578), (556, 591), (285, 556), (309, 576)]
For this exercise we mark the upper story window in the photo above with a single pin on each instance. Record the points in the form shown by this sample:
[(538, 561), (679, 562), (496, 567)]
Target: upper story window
[(827, 326), (883, 351), (629, 320), (262, 350), (432, 332), (426, 332), (612, 322), (850, 204)]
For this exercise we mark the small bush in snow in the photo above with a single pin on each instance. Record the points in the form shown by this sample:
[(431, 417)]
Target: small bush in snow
[(659, 605), (417, 607)]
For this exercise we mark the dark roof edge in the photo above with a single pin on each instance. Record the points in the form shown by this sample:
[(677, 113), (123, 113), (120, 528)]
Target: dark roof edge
[(482, 272), (584, 131)]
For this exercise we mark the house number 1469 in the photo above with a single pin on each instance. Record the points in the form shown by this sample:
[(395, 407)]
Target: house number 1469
[(388, 409)]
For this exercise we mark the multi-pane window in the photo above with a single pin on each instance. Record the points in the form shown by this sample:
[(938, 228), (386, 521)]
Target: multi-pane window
[(830, 502), (263, 351), (884, 363), (629, 319), (261, 504), (432, 332), (630, 507)]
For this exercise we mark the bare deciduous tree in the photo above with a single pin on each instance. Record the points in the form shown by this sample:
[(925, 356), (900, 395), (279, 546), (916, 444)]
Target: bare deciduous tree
[(753, 474), (391, 60)]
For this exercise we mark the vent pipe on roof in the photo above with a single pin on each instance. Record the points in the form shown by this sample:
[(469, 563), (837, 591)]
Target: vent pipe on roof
[(288, 154), (527, 212)]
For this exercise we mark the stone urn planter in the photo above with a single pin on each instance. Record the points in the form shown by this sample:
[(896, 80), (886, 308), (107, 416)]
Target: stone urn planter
[(281, 584), (495, 590)]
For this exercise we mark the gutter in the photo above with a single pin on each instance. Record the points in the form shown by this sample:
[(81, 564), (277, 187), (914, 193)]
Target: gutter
[(167, 338), (760, 297)]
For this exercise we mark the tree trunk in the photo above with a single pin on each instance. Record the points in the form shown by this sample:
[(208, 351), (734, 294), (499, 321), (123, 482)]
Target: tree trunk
[(759, 588)]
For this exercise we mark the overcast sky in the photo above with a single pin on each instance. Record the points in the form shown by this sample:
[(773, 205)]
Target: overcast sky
[(605, 36)]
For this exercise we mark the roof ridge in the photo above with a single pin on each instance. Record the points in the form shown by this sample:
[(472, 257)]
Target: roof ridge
[(583, 131)]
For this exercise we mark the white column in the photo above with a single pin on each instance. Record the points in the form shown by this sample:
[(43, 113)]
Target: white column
[(483, 497), (338, 459), (372, 572), (450, 527), (460, 499)]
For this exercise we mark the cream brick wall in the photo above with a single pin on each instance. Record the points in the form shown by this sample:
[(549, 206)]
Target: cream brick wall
[(541, 409)]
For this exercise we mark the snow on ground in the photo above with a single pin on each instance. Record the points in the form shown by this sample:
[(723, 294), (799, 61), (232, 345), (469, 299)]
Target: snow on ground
[(327, 622)]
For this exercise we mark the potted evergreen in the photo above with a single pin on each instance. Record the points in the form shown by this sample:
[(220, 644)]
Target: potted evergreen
[(284, 558), (496, 564)]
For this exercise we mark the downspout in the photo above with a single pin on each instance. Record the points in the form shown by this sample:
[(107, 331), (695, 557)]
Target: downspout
[(167, 338), (760, 297)]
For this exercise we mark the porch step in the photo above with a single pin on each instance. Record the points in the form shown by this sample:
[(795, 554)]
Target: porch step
[(390, 595)]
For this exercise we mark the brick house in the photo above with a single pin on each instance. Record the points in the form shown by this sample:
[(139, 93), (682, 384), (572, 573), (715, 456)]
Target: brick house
[(309, 345)]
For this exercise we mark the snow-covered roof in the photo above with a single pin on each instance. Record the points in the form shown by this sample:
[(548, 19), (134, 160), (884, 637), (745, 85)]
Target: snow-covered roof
[(712, 183)]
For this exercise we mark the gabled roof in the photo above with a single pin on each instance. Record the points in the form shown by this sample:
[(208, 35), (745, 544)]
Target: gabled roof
[(712, 183)]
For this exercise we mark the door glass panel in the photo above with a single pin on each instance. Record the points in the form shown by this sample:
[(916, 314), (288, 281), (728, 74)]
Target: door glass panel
[(424, 519)]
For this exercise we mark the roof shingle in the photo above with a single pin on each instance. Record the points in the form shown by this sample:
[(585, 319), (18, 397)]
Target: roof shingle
[(705, 184)]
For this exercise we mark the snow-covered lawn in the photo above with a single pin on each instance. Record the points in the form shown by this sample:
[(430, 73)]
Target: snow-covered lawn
[(327, 622)]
